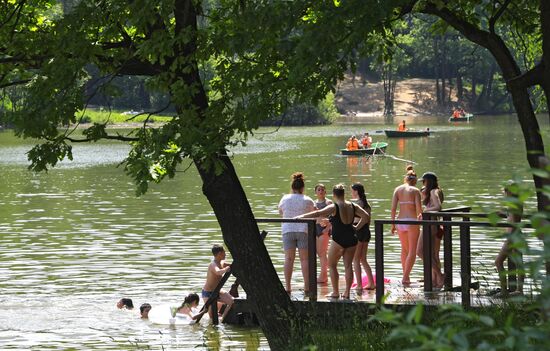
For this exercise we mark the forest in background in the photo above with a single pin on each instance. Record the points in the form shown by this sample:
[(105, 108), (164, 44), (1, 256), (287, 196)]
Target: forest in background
[(460, 73)]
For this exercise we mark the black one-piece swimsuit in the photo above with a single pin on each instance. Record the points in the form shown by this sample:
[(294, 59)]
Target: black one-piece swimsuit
[(342, 234)]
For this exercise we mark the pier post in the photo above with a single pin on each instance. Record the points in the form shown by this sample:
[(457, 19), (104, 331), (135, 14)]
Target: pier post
[(312, 260), (448, 253), (465, 263), (379, 256), (427, 253), (214, 313)]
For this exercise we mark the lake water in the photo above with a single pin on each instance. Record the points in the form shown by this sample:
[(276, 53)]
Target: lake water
[(76, 239)]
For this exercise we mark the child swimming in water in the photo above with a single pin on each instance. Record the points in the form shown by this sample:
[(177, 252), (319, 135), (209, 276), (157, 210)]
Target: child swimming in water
[(125, 303), (191, 301)]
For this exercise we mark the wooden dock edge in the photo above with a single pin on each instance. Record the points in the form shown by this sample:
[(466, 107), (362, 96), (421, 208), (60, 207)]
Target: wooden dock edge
[(321, 313)]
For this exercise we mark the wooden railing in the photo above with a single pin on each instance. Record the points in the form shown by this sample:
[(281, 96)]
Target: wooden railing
[(447, 215), (448, 224)]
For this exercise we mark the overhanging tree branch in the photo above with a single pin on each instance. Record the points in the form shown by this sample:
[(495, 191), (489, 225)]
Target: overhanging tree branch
[(17, 10), (17, 82), (532, 77), (497, 15), (108, 137)]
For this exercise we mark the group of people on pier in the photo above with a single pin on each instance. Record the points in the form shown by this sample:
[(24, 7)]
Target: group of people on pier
[(347, 223), (343, 233)]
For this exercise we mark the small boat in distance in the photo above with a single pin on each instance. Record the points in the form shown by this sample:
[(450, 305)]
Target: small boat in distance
[(406, 134), (466, 118), (378, 148)]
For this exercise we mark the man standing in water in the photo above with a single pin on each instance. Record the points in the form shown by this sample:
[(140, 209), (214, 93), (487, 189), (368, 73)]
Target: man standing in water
[(217, 268)]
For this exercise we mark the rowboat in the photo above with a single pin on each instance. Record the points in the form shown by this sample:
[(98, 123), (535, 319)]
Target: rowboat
[(466, 118), (375, 149), (407, 134)]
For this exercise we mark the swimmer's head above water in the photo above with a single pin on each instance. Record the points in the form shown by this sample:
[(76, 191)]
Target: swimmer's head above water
[(125, 303), (144, 310)]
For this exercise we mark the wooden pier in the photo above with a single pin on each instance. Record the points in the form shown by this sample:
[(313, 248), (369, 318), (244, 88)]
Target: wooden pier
[(393, 294)]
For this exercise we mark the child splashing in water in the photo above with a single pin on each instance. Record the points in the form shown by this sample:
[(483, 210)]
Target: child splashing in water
[(191, 301)]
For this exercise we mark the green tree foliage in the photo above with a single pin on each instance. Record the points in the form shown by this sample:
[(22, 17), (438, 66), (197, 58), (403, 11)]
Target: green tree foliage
[(265, 57)]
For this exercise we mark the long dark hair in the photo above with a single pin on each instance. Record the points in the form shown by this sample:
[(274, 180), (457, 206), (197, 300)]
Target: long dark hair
[(361, 192), (431, 183), (189, 299)]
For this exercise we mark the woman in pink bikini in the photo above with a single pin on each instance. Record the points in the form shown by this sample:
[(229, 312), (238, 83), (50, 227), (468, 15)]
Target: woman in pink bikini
[(407, 197)]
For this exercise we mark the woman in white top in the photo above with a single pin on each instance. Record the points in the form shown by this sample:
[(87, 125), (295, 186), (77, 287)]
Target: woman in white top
[(407, 196), (295, 234)]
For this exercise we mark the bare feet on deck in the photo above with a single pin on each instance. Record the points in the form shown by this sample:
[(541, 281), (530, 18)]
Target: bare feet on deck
[(332, 296), (438, 281)]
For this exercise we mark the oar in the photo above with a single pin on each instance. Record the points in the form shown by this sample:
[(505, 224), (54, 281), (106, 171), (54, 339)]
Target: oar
[(375, 147), (400, 159)]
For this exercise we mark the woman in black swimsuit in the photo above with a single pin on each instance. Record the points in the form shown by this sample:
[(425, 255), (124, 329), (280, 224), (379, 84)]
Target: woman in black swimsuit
[(341, 214)]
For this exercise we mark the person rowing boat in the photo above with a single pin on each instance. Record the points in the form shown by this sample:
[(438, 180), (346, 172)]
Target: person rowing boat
[(352, 144)]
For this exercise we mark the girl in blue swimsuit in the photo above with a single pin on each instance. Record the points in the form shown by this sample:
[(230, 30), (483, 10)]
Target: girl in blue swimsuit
[(341, 214)]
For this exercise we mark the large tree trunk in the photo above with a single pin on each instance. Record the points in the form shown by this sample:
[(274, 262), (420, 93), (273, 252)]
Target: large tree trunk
[(443, 58), (459, 87), (483, 100), (389, 88), (252, 264), (450, 81), (545, 29)]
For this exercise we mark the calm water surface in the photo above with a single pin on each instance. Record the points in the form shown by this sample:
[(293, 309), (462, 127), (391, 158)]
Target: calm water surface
[(76, 239)]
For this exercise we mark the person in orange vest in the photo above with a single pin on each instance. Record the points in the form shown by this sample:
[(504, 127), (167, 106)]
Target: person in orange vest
[(402, 127), (352, 143), (456, 113), (366, 141)]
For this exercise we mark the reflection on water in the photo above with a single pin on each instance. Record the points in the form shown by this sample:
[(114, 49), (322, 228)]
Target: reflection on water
[(76, 239)]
